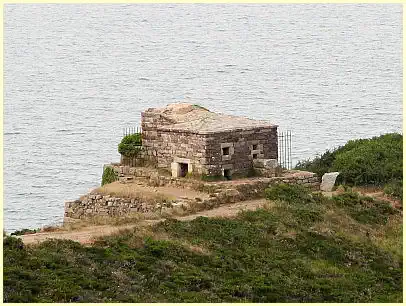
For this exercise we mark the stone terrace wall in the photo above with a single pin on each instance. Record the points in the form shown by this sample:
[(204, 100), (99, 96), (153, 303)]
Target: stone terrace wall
[(92, 205), (254, 189), (96, 205)]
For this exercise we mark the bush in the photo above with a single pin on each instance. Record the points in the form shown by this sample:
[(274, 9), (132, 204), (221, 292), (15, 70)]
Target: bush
[(394, 189), (109, 176), (376, 161), (24, 232), (319, 165), (12, 243), (362, 162), (130, 145)]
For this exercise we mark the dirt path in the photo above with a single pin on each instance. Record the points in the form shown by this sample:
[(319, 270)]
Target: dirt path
[(87, 235)]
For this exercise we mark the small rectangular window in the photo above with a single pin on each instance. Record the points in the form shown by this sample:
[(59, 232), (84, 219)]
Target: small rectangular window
[(254, 156), (254, 147), (226, 151)]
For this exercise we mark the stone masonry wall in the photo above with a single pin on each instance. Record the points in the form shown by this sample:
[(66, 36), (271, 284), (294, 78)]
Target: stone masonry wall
[(161, 147), (244, 147), (92, 205)]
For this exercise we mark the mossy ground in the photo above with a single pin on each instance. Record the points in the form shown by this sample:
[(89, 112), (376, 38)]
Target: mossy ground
[(306, 248)]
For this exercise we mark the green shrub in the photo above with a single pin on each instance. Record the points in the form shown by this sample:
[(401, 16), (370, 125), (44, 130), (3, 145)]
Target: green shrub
[(394, 189), (24, 231), (372, 161), (199, 107), (13, 243), (130, 145), (376, 161), (319, 165), (109, 176)]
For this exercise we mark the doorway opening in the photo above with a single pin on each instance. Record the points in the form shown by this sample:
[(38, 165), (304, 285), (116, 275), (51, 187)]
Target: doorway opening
[(183, 169), (227, 174)]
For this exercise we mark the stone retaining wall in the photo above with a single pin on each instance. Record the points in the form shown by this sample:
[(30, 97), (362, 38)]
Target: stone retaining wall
[(104, 205), (92, 205), (96, 205)]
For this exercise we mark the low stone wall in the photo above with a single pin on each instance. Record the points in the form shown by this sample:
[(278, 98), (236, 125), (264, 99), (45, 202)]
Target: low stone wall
[(103, 205), (125, 170), (92, 205), (254, 189), (307, 179)]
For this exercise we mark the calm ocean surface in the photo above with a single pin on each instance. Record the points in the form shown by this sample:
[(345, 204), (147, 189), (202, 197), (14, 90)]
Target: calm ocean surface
[(76, 75)]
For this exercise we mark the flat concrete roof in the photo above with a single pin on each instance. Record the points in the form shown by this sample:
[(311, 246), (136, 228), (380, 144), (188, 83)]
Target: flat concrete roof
[(186, 117)]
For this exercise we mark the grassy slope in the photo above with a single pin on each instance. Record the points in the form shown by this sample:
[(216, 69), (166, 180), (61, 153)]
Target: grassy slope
[(306, 249)]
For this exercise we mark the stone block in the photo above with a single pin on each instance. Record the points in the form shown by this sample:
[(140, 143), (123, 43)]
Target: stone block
[(328, 180)]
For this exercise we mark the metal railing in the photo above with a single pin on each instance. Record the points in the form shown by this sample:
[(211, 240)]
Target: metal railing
[(132, 161), (131, 130), (285, 149)]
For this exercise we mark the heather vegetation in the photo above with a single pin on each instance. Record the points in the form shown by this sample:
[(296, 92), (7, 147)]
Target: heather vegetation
[(302, 247)]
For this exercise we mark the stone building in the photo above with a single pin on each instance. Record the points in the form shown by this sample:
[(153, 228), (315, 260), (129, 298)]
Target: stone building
[(185, 138)]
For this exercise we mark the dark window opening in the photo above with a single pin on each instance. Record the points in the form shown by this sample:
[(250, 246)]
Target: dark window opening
[(254, 156), (183, 169), (255, 147), (226, 151), (227, 174)]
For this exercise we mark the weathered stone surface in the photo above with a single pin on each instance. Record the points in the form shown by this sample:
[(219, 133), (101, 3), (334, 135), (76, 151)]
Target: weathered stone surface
[(328, 180), (265, 163)]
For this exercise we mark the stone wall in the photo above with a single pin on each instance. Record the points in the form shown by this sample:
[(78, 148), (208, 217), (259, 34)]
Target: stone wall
[(255, 188), (92, 205), (161, 147), (244, 146)]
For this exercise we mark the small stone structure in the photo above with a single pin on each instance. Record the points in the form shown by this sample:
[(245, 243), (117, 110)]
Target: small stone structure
[(184, 138)]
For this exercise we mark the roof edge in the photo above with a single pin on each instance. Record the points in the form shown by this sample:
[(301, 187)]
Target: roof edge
[(165, 129)]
